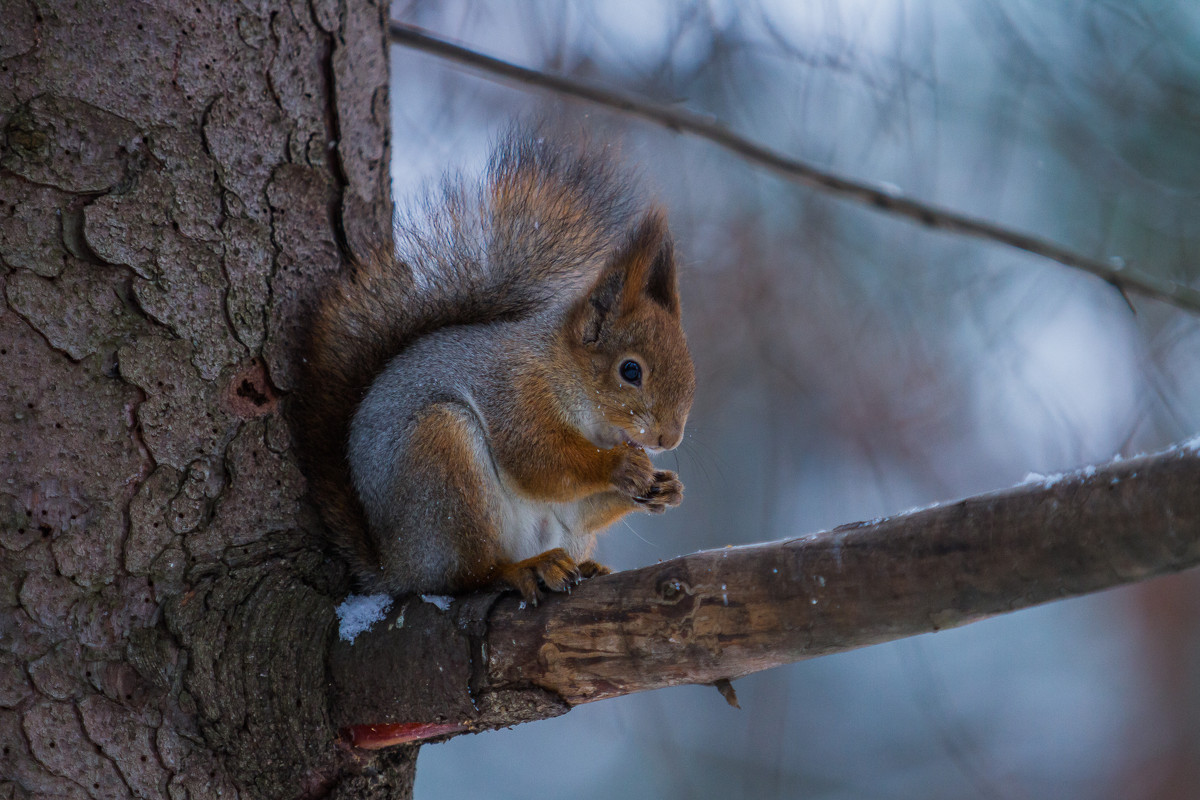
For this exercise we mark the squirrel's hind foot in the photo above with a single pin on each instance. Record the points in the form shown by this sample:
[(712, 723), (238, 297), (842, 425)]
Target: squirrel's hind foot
[(553, 569)]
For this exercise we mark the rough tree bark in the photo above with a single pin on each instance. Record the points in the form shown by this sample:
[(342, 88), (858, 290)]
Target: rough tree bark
[(174, 181)]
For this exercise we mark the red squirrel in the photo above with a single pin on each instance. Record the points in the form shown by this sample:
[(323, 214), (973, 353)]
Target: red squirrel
[(477, 405)]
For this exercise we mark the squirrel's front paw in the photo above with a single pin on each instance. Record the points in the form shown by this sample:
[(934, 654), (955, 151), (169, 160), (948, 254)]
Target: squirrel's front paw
[(665, 492), (635, 476)]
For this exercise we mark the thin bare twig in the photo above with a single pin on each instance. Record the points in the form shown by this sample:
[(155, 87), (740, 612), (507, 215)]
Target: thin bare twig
[(882, 199)]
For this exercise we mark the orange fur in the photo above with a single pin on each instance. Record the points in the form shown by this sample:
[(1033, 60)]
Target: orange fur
[(558, 232), (441, 446)]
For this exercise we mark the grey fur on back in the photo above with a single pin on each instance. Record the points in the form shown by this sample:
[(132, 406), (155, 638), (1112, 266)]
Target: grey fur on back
[(525, 239)]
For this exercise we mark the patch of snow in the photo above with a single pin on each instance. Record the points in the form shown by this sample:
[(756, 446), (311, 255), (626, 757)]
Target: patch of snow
[(913, 510), (1045, 480), (440, 600), (358, 612)]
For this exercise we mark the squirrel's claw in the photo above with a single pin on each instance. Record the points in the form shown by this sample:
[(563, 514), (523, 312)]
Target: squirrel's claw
[(553, 569), (665, 492), (650, 489)]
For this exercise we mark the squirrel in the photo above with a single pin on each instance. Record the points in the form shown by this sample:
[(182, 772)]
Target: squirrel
[(479, 400)]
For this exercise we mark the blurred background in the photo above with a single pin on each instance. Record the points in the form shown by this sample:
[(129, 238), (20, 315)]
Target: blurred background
[(852, 365)]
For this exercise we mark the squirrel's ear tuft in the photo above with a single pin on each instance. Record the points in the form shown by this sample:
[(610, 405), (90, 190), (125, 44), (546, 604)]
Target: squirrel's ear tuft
[(649, 263), (661, 284), (643, 269)]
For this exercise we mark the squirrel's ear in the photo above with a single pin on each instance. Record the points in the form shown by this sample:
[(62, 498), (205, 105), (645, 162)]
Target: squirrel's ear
[(649, 264), (644, 268)]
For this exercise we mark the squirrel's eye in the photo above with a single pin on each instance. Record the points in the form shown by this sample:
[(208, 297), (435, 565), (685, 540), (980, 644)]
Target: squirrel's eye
[(631, 371)]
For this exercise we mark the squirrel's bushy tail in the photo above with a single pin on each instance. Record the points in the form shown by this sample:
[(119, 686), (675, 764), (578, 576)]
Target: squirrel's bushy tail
[(533, 234)]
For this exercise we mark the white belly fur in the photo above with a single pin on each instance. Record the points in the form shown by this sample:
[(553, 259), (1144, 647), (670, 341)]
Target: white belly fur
[(530, 527)]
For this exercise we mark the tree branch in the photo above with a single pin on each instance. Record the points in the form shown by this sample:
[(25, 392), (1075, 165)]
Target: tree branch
[(725, 613), (882, 199)]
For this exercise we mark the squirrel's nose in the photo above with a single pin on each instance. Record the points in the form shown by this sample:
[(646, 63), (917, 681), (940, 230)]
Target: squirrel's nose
[(670, 438)]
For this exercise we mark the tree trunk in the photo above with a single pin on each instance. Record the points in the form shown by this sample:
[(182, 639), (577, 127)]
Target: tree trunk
[(174, 182)]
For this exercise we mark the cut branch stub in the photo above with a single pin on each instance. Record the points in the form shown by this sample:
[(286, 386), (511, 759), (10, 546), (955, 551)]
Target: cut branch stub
[(721, 614), (419, 674), (417, 659)]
